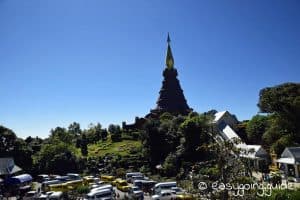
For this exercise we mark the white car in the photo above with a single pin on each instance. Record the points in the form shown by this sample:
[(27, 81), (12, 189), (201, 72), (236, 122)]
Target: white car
[(30, 195), (165, 195), (178, 190), (135, 193), (105, 194), (56, 196), (45, 196)]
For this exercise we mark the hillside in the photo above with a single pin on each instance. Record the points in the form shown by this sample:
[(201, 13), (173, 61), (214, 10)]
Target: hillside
[(122, 148)]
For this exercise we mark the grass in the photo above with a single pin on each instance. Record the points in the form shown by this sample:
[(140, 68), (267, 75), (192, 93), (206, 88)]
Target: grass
[(123, 148)]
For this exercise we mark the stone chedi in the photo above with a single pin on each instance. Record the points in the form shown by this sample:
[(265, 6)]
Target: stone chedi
[(171, 98)]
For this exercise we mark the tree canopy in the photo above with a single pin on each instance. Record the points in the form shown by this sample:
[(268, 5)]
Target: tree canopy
[(282, 103)]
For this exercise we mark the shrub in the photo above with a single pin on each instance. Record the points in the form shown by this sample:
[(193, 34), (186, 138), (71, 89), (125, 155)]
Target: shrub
[(120, 172), (83, 189)]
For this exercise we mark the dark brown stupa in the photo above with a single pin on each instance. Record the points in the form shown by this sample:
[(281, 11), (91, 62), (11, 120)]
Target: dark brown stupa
[(171, 98)]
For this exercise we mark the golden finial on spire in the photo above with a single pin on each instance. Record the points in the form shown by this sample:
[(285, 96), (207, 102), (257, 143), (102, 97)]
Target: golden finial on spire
[(169, 57)]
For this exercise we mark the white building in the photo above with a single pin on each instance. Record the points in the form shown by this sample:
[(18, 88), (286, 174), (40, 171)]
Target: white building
[(224, 123), (8, 167), (290, 162)]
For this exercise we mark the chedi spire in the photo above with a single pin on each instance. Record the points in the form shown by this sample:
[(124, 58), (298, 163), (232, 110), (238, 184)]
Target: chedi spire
[(171, 98)]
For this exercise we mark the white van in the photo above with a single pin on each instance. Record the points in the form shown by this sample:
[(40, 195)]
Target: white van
[(104, 194), (131, 174), (102, 187), (163, 186)]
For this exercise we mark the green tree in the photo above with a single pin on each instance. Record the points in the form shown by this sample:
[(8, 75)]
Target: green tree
[(153, 141), (115, 132), (22, 154), (11, 146), (195, 131), (98, 132), (83, 146), (104, 134), (224, 167), (255, 128), (171, 165), (93, 133), (281, 143), (74, 129), (284, 102), (7, 140), (56, 157), (61, 134)]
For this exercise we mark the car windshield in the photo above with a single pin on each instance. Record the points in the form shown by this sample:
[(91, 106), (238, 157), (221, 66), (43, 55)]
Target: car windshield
[(177, 189), (123, 183)]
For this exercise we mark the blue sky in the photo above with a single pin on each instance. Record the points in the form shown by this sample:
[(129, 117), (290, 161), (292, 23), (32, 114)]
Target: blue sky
[(102, 61)]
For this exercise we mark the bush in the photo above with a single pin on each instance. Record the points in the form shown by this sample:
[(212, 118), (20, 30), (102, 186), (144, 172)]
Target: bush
[(83, 189), (170, 167), (134, 150), (120, 172), (276, 180), (116, 137)]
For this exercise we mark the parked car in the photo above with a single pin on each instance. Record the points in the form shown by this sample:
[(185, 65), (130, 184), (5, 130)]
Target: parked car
[(45, 184), (42, 178), (102, 187), (105, 194), (30, 195), (75, 183), (89, 179), (164, 195), (107, 179), (63, 178), (134, 193), (73, 176), (178, 190), (114, 183), (163, 186), (63, 187), (97, 184), (145, 185), (44, 196), (123, 186), (131, 174), (56, 196)]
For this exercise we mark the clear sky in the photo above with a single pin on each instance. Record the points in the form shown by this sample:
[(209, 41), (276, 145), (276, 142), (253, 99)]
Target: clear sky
[(102, 61)]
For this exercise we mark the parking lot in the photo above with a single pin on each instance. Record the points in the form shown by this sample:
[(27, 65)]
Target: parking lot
[(121, 195), (73, 186)]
